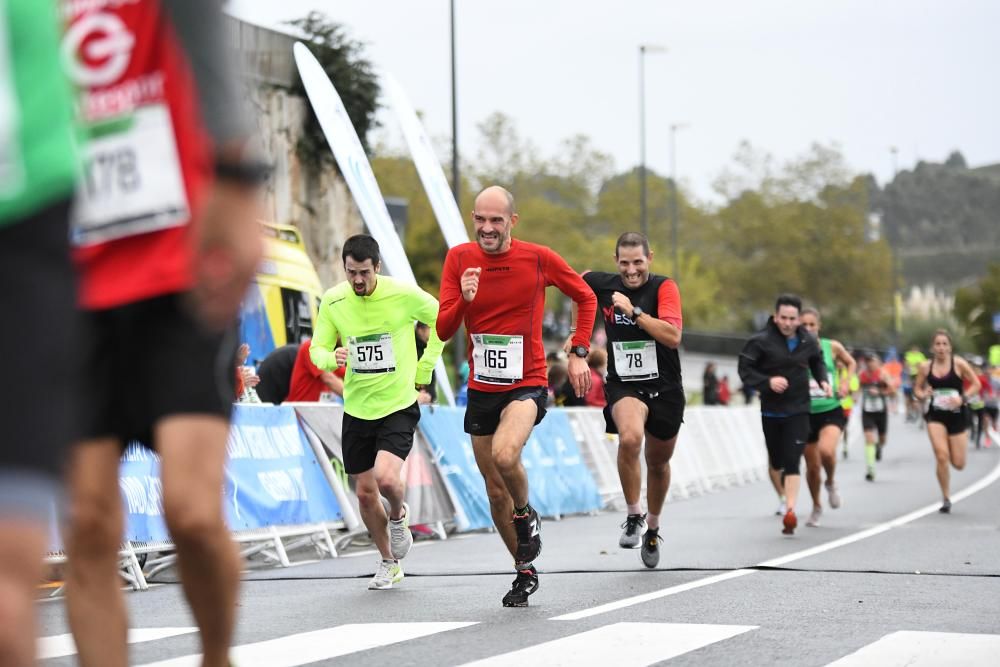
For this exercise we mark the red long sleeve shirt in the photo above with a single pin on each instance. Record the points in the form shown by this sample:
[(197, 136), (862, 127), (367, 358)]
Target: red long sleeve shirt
[(510, 302)]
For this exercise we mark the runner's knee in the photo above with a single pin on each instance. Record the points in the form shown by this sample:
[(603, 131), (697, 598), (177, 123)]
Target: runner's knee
[(95, 526), (506, 459), (368, 493), (189, 520), (630, 441)]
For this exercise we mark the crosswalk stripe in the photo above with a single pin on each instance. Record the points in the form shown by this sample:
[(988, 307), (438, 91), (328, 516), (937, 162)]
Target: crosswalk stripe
[(620, 644), (925, 649), (308, 647), (58, 646)]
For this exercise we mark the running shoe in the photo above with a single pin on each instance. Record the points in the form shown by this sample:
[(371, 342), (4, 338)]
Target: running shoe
[(945, 507), (523, 585), (782, 507), (400, 538), (529, 538), (388, 573), (632, 535), (650, 553), (870, 474), (789, 523), (813, 520), (832, 493)]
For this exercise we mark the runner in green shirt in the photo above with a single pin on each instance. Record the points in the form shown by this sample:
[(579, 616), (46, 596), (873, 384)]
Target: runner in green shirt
[(373, 318), (826, 418)]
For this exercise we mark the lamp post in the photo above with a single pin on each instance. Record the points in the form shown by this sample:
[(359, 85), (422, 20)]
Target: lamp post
[(643, 50), (897, 297), (455, 183), (674, 212)]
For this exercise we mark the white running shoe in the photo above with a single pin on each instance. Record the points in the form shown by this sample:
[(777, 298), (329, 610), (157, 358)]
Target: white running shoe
[(813, 520), (388, 573), (400, 538), (831, 490)]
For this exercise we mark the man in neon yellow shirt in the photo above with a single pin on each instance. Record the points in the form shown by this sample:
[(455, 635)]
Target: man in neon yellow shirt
[(374, 316)]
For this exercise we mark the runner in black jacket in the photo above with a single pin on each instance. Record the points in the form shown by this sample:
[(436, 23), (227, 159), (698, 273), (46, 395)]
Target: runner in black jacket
[(776, 361)]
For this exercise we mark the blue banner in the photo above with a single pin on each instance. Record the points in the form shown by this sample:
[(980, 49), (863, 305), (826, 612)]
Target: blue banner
[(451, 447), (272, 478), (559, 481)]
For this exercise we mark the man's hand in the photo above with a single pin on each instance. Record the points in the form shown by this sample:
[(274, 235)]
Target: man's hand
[(779, 384), (579, 375), (229, 249), (827, 389), (424, 397), (844, 389), (568, 345), (622, 303), (470, 283), (341, 355), (250, 377)]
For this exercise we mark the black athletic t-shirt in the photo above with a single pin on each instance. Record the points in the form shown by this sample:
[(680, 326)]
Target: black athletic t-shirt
[(632, 351), (275, 374)]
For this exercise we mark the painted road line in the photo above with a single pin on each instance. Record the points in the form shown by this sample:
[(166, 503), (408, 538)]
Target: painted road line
[(619, 644), (59, 646), (926, 649), (308, 647), (974, 488)]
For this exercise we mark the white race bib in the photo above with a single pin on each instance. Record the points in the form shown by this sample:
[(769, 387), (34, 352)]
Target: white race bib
[(941, 399), (815, 390), (371, 354), (132, 182), (873, 402), (497, 359), (636, 360)]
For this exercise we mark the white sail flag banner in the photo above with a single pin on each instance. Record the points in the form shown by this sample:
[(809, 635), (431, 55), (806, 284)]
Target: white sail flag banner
[(431, 174), (357, 172)]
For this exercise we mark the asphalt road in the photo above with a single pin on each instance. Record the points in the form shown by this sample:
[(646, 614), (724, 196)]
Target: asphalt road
[(885, 580)]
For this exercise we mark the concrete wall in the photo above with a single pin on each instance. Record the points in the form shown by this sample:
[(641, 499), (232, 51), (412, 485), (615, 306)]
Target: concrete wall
[(317, 202)]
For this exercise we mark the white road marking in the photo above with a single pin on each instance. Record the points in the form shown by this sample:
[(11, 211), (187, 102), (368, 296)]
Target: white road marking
[(973, 488), (925, 649), (58, 646), (308, 647), (620, 644)]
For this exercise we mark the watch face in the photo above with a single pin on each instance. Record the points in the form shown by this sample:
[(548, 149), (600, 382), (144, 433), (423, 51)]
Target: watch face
[(580, 351)]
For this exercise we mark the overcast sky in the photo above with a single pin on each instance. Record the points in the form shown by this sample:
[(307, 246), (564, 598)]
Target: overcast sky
[(918, 75)]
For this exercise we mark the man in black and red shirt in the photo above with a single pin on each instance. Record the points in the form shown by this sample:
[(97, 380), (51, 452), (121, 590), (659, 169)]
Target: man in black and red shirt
[(496, 286), (642, 320)]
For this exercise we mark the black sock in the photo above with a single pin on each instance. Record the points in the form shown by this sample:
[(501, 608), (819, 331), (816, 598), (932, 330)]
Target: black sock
[(521, 511)]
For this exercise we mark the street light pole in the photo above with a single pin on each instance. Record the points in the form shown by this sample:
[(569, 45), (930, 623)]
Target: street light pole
[(897, 298), (674, 210), (455, 183), (643, 49)]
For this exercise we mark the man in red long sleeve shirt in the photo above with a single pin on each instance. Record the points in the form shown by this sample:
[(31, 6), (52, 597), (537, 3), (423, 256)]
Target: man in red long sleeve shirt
[(496, 286)]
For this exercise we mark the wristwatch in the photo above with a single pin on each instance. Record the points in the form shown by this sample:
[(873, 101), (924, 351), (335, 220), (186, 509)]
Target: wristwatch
[(580, 351), (636, 312)]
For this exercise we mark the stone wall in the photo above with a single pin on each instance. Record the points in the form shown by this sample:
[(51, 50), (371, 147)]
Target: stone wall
[(317, 202)]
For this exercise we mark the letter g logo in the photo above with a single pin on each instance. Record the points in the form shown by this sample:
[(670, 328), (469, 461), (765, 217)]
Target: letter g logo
[(97, 49)]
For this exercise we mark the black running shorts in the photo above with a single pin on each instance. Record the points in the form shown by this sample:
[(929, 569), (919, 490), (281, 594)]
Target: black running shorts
[(38, 336), (666, 409), (148, 360), (875, 421), (785, 438), (482, 413), (363, 439), (820, 420), (955, 422)]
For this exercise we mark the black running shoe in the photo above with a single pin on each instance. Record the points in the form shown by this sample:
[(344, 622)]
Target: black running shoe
[(650, 552), (945, 507), (523, 585), (632, 533), (529, 537)]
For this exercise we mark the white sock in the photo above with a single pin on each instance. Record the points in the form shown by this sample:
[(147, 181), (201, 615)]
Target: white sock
[(635, 509), (652, 521)]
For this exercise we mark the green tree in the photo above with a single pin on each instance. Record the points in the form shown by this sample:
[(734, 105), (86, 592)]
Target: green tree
[(343, 60), (976, 305)]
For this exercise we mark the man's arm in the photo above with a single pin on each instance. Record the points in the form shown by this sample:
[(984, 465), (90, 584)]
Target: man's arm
[(451, 309), (333, 382), (817, 365), (325, 335), (747, 366), (665, 329), (425, 309), (570, 283)]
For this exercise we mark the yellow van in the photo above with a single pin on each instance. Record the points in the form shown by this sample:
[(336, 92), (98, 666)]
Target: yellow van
[(280, 306)]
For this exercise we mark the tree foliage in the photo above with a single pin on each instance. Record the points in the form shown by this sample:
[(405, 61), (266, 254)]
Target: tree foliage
[(343, 60), (976, 305)]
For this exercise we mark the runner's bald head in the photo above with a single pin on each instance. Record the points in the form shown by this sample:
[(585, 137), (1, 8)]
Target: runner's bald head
[(496, 195)]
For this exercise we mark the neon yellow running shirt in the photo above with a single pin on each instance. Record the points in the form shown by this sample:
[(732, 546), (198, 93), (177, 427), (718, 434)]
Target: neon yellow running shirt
[(382, 365)]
